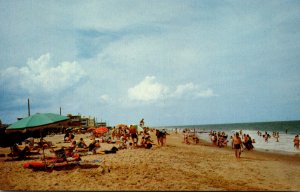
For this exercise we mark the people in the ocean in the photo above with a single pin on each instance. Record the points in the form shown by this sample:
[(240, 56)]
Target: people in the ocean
[(296, 142)]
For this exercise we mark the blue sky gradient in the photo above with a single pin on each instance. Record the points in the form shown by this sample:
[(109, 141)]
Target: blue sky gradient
[(169, 62)]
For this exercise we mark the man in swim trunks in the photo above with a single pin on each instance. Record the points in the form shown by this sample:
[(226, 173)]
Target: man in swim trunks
[(237, 142), (133, 133)]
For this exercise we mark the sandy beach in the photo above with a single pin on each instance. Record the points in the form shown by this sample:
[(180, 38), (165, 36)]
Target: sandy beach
[(176, 166)]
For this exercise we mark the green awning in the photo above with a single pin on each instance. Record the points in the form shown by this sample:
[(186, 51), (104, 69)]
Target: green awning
[(37, 121)]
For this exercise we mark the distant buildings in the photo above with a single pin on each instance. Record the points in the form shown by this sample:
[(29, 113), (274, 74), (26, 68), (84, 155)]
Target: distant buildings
[(101, 124), (83, 121)]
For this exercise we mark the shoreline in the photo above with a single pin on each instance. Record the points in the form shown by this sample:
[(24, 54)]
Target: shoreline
[(267, 151), (262, 152), (177, 166)]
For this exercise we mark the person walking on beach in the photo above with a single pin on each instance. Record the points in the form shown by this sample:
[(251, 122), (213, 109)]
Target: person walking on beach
[(163, 137), (237, 142), (296, 142)]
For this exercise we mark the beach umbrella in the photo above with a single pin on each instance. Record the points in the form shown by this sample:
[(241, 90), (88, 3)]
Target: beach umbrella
[(101, 130), (38, 121), (139, 128)]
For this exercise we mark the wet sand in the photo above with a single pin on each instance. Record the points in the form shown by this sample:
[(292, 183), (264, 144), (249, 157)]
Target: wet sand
[(177, 166)]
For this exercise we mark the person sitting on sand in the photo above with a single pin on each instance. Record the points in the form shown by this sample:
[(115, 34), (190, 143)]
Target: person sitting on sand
[(73, 145), (16, 151), (81, 146), (148, 143), (69, 151), (94, 145), (237, 142), (296, 142), (70, 137), (66, 137), (186, 136), (196, 139)]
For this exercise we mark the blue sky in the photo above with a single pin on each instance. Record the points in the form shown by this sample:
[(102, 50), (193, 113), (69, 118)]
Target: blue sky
[(169, 62)]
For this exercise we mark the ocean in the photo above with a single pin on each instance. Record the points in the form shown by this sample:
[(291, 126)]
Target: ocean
[(287, 132)]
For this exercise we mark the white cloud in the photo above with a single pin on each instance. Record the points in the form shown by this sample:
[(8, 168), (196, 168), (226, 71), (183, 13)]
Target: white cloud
[(150, 90), (147, 90), (39, 76), (192, 91), (182, 89)]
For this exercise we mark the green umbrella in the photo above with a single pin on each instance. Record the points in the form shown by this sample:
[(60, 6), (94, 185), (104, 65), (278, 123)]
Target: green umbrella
[(37, 121)]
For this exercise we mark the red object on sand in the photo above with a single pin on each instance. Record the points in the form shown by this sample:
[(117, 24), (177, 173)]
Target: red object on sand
[(101, 130), (35, 164)]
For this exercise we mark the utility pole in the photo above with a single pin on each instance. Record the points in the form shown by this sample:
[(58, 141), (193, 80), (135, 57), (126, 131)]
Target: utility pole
[(28, 104), (60, 110)]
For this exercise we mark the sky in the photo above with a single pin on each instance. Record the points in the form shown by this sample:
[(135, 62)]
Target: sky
[(169, 62)]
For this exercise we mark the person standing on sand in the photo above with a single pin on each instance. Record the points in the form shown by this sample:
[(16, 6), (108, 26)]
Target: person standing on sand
[(134, 136), (157, 133), (142, 123), (237, 142), (163, 137)]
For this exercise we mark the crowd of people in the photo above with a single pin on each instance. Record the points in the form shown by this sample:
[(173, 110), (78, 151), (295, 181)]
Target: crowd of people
[(219, 139), (239, 141), (189, 135), (134, 136), (124, 136)]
